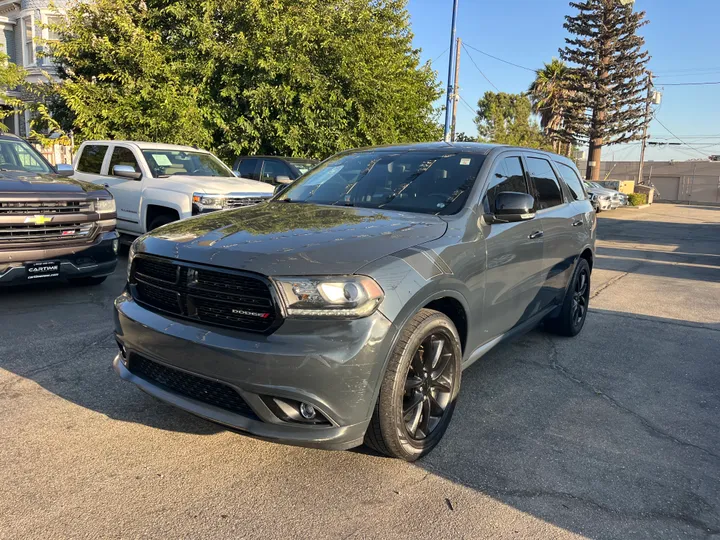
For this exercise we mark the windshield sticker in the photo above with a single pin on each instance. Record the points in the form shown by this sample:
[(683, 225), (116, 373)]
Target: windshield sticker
[(162, 160), (465, 161)]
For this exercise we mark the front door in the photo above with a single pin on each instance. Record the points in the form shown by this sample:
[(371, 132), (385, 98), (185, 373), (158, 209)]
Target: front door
[(557, 215), (126, 191), (514, 256)]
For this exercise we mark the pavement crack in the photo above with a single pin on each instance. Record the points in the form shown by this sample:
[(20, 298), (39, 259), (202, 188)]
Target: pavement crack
[(646, 423)]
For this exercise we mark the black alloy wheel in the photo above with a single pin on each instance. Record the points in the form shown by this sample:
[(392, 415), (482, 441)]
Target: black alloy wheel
[(573, 313), (419, 390), (580, 297), (428, 386)]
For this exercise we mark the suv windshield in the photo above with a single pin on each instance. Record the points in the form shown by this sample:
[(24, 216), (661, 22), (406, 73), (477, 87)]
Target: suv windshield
[(17, 155), (164, 163), (429, 182)]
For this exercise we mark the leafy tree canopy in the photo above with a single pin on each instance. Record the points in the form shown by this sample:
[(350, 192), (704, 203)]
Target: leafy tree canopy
[(297, 77), (507, 119)]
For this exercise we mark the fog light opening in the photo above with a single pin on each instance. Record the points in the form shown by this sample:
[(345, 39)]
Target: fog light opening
[(297, 412)]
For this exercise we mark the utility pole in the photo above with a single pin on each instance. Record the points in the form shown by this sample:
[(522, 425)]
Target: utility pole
[(645, 130), (450, 92), (456, 88)]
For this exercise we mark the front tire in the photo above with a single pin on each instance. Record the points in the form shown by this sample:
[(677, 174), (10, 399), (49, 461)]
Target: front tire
[(159, 221), (575, 306), (419, 389)]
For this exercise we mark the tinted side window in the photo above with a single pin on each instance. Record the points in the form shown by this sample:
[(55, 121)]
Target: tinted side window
[(507, 176), (547, 188), (272, 169), (123, 156), (247, 169), (92, 158), (572, 180)]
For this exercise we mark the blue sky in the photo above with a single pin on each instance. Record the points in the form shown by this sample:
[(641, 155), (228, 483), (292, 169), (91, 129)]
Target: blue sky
[(683, 39)]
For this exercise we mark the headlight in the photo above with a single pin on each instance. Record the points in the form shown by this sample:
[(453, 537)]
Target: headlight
[(205, 201), (349, 297), (105, 206)]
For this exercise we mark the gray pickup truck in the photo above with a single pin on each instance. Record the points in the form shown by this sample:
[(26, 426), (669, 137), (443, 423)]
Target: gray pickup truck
[(51, 227)]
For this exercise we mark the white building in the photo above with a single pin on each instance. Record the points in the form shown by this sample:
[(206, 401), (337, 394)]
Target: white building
[(22, 24)]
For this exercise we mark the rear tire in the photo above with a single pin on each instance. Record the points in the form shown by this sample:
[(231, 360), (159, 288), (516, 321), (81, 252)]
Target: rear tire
[(87, 281), (575, 306), (419, 390)]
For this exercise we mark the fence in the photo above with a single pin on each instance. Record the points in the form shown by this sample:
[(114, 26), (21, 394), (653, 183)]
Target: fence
[(56, 154)]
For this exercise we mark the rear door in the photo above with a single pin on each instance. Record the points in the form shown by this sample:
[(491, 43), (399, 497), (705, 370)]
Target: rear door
[(249, 168), (127, 191), (557, 215), (272, 168), (514, 255)]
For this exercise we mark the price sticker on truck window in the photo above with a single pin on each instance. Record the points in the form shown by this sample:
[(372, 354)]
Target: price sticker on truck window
[(162, 160), (465, 161)]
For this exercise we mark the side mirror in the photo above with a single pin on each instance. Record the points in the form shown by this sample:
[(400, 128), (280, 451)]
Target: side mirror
[(126, 171), (64, 169), (279, 188), (283, 180), (511, 207)]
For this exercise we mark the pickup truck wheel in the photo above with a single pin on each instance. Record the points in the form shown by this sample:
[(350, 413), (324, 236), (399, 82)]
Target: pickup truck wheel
[(87, 281), (575, 306), (160, 221), (419, 390)]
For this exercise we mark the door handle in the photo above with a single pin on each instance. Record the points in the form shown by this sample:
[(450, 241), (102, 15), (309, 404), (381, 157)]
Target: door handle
[(578, 223), (536, 234)]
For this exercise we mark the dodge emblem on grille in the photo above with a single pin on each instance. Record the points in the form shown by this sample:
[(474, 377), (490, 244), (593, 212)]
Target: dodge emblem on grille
[(250, 313)]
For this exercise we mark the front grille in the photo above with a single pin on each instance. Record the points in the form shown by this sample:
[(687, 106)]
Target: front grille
[(23, 208), (192, 386), (49, 233), (239, 202), (219, 298)]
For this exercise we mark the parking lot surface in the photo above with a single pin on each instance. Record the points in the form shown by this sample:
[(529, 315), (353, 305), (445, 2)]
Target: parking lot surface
[(613, 434)]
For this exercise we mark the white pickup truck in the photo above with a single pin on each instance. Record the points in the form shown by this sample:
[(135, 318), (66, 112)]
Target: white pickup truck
[(154, 184)]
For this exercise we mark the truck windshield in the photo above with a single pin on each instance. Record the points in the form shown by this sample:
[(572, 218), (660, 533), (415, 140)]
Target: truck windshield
[(17, 155), (425, 182), (166, 163)]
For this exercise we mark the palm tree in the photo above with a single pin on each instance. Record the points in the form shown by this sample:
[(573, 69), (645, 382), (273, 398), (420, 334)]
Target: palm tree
[(550, 96)]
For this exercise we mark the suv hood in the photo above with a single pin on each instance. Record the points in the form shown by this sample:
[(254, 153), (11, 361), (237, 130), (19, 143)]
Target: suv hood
[(278, 238), (27, 182), (222, 186)]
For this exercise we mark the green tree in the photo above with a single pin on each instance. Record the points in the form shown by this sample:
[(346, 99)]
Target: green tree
[(550, 94), (12, 80), (297, 77), (608, 94), (507, 119)]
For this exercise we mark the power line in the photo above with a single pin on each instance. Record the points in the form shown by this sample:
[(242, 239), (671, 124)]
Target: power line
[(439, 56), (470, 107), (679, 139), (691, 83), (500, 59), (478, 68)]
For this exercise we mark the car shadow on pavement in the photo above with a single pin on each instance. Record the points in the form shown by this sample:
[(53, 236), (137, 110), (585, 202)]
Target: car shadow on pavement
[(612, 434), (61, 337)]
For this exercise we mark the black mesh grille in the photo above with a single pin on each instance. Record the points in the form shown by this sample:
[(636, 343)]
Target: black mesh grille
[(44, 207), (198, 388), (227, 299)]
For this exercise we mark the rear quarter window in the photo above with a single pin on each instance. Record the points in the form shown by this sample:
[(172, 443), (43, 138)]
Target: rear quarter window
[(91, 158)]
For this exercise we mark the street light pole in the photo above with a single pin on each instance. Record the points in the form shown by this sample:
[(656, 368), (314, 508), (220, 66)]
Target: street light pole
[(450, 86), (648, 112)]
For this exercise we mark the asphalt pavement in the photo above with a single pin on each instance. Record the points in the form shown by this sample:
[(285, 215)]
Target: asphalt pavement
[(613, 434)]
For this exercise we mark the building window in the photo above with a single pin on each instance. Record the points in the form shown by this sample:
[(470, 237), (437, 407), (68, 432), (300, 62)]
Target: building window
[(53, 21), (28, 45)]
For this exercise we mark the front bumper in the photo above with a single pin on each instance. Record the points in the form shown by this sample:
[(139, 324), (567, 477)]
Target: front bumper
[(94, 260), (336, 366)]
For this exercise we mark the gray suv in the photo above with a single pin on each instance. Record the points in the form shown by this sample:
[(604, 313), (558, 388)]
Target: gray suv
[(344, 310)]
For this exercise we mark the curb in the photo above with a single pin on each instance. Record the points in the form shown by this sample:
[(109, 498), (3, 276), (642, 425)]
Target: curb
[(640, 207)]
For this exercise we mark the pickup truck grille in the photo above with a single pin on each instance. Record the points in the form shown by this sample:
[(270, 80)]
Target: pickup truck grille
[(25, 208), (49, 233), (210, 296), (239, 202)]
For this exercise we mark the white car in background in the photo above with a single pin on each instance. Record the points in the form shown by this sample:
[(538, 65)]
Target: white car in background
[(604, 198), (155, 184)]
